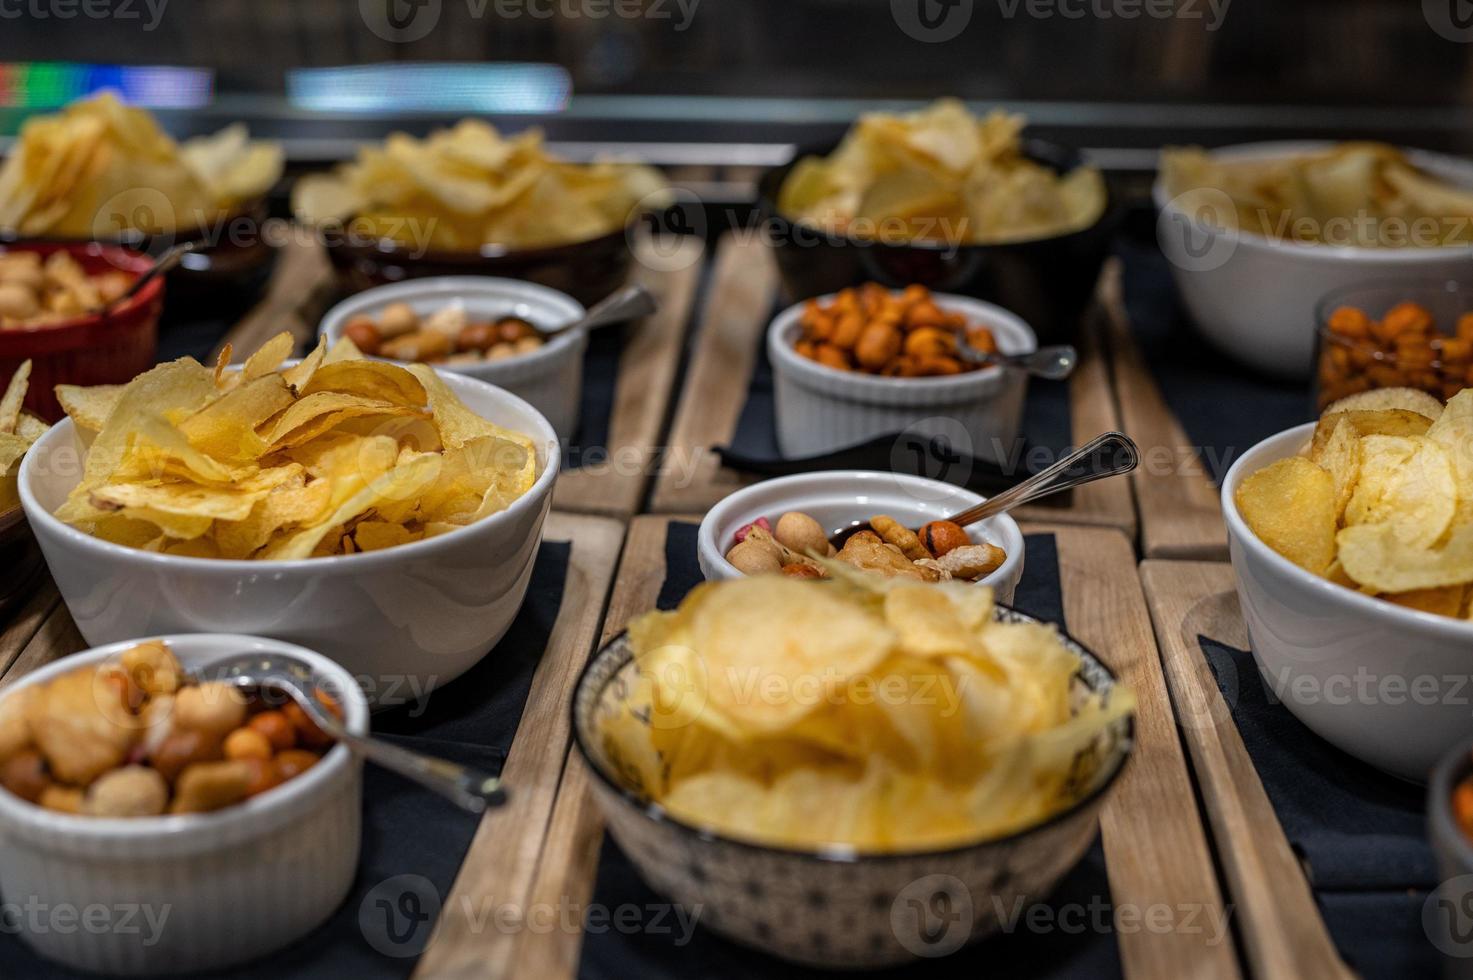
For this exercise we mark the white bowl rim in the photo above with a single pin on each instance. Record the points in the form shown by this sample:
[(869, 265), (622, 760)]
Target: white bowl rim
[(706, 533), (333, 321), (1347, 599), (781, 353), (550, 445), (179, 826), (1270, 149), (843, 853)]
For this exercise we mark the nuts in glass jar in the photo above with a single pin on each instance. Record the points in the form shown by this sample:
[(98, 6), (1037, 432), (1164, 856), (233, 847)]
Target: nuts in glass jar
[(1403, 349)]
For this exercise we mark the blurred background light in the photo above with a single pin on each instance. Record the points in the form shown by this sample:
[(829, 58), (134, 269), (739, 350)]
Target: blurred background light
[(487, 88), (51, 84)]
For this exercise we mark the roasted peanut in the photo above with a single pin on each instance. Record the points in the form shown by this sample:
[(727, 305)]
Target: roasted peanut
[(480, 336), (801, 533), (133, 791), (247, 743), (206, 786), (939, 537), (396, 320), (421, 345), (752, 558), (364, 334), (831, 356), (877, 346), (972, 561), (213, 708), (892, 532), (182, 749), (929, 342), (277, 729)]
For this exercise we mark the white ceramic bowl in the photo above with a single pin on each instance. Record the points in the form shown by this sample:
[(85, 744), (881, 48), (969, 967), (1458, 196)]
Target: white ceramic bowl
[(1255, 297), (197, 891), (1390, 685), (820, 409), (403, 620), (551, 378), (835, 498)]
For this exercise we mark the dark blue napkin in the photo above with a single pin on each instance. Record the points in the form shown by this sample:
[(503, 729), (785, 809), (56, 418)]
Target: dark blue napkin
[(1224, 407), (1361, 834), (657, 941), (413, 841), (1047, 432)]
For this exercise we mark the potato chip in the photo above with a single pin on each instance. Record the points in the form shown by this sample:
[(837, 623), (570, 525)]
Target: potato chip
[(1379, 399), (285, 464), (1453, 431), (1340, 456), (1407, 483), (1444, 601), (14, 397), (1385, 422), (1378, 558), (88, 407), (1291, 506), (762, 727)]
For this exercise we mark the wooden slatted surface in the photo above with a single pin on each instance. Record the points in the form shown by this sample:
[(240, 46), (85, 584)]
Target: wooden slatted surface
[(1179, 510), (1155, 844), (1283, 933), (646, 379), (498, 867), (300, 289)]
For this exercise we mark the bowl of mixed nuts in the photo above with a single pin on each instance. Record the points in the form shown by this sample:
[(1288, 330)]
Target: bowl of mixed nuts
[(124, 779), (784, 526), (491, 329)]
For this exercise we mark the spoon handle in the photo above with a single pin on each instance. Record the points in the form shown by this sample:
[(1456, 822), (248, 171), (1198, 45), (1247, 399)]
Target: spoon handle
[(165, 263), (1111, 454), (469, 788), (1053, 363), (630, 303)]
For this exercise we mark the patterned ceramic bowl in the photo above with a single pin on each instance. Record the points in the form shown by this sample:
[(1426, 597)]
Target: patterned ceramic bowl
[(835, 907)]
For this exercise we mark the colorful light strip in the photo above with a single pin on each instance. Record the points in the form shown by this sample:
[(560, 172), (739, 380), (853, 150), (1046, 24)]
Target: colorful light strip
[(51, 84), (497, 88)]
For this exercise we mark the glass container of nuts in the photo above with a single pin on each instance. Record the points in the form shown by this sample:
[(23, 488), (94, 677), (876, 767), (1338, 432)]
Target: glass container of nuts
[(1395, 334)]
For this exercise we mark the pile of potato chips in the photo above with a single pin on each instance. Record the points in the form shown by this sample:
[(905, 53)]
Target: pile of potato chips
[(333, 455), (100, 169), (1345, 195), (882, 714), (940, 174), (465, 187), (18, 430), (1380, 501)]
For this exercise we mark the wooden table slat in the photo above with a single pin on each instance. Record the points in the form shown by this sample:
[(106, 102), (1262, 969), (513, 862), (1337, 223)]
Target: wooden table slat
[(1283, 933), (298, 293), (1180, 513), (498, 867)]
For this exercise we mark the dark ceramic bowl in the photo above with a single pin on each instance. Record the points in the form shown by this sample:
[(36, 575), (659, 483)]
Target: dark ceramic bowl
[(587, 271), (1047, 281), (835, 907)]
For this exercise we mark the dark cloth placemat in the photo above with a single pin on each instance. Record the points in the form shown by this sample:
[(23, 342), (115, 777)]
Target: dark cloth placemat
[(632, 931), (1361, 833), (413, 840), (1225, 407), (590, 443), (1047, 432)]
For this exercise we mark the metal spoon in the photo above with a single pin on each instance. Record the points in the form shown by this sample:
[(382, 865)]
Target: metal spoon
[(629, 303), (1111, 454), (469, 788), (1053, 363), (164, 263)]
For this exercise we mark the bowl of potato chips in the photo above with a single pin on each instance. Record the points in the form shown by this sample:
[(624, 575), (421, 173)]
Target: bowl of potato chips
[(1257, 234), (951, 201), (814, 764), (470, 201), (125, 181), (386, 516), (1352, 542)]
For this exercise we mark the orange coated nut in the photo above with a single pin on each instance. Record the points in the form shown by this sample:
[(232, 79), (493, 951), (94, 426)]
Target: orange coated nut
[(877, 346), (939, 537)]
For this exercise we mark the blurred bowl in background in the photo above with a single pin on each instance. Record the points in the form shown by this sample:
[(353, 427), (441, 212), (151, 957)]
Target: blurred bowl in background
[(93, 348), (1049, 282)]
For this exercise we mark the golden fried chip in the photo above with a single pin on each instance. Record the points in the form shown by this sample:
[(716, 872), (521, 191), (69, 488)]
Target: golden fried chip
[(1378, 558), (88, 407), (1380, 399), (1386, 422), (268, 358), (370, 379), (1340, 456), (1291, 506), (1444, 601), (1453, 431), (14, 397), (1406, 482)]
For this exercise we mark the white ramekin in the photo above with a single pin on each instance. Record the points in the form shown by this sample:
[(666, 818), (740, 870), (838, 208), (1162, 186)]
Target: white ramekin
[(550, 378), (1390, 685), (1255, 297), (197, 891), (839, 496), (403, 620), (820, 409)]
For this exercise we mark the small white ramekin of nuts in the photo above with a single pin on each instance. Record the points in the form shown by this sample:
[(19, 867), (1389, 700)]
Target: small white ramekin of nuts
[(124, 780), (779, 526), (485, 327)]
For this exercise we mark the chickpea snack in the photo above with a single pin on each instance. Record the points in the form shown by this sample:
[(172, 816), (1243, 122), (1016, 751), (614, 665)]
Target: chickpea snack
[(896, 334), (1407, 346)]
